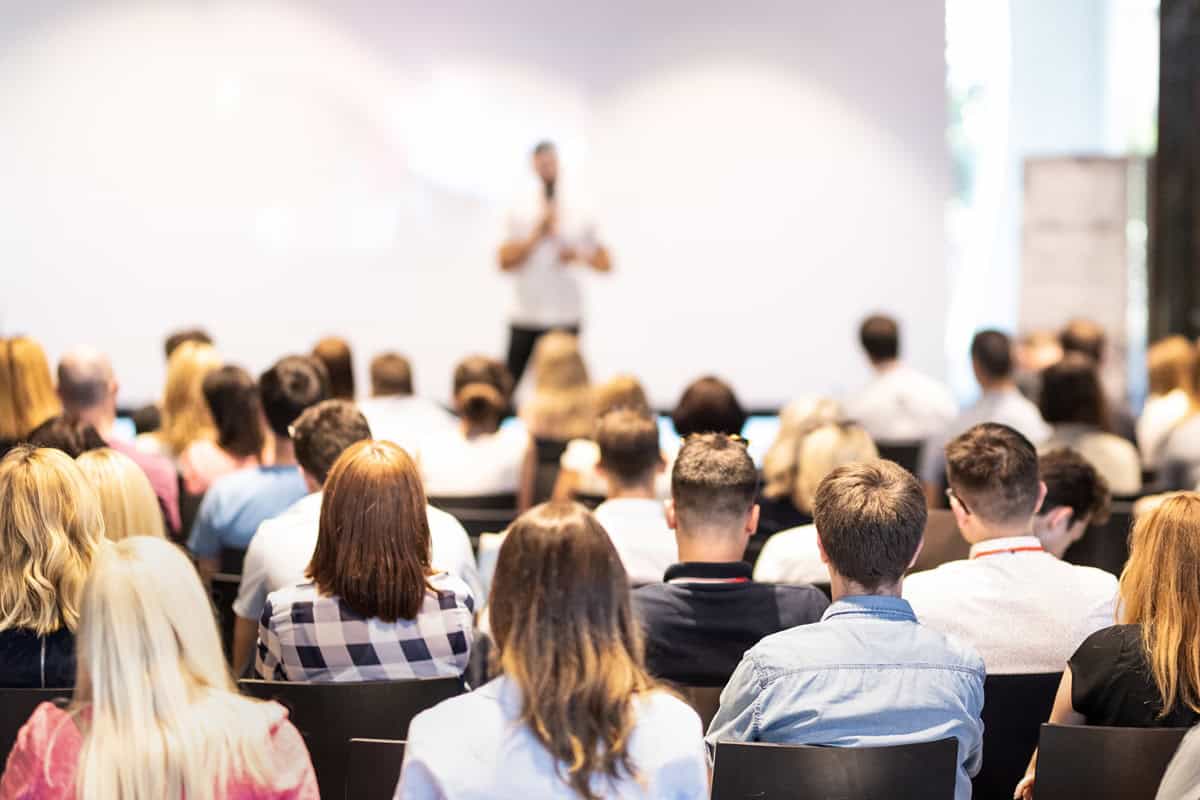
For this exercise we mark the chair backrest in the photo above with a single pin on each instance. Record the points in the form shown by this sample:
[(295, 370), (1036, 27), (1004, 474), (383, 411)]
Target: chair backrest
[(921, 771), (16, 706), (1014, 708), (232, 560), (373, 768), (224, 591), (1105, 546), (549, 453), (1102, 763), (943, 542), (705, 700), (329, 715), (906, 454), (506, 501)]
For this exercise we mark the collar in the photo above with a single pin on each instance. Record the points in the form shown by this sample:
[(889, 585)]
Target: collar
[(1006, 545), (716, 572), (871, 605)]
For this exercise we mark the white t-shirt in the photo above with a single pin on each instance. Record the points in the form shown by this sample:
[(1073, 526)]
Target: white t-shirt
[(283, 546), (900, 404), (1161, 414), (582, 456), (453, 465), (639, 532), (1006, 406), (792, 556), (406, 420), (1023, 609), (547, 290)]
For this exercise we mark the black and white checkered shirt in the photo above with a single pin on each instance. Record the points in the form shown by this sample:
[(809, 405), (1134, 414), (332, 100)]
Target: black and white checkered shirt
[(310, 637)]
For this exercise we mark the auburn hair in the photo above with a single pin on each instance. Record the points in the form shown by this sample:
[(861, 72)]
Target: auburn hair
[(185, 414), (1160, 590), (564, 625), (373, 543)]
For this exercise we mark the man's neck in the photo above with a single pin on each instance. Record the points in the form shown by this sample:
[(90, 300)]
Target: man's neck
[(644, 491), (884, 367), (102, 419), (989, 533), (711, 547), (840, 587), (997, 385), (285, 451)]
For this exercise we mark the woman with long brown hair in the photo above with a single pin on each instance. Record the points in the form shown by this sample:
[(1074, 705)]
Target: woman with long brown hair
[(575, 715), (231, 395), (1144, 672)]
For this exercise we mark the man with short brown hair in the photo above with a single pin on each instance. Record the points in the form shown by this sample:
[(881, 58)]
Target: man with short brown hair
[(395, 413)]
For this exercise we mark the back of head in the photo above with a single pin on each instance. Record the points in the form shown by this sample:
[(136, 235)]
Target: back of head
[(50, 528), (482, 391), (1169, 363), (179, 338), (629, 449), (564, 625), (991, 353), (708, 405), (334, 353), (68, 434), (1085, 337), (880, 338), (561, 406), (558, 363), (127, 500), (623, 391), (85, 380), (185, 414), (323, 432), (1072, 482), (871, 518), (27, 396), (1071, 393), (233, 402), (373, 548), (799, 418), (993, 469), (391, 374), (824, 450), (1160, 590), (713, 484), (164, 718), (292, 384)]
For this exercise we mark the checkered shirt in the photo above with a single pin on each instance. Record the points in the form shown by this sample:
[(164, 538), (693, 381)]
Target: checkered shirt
[(306, 636)]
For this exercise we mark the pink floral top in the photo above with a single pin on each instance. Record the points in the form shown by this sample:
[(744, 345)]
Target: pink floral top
[(37, 771), (204, 461)]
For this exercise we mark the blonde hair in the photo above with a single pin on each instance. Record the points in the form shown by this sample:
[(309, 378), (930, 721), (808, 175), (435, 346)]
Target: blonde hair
[(824, 450), (50, 528), (165, 719), (185, 414), (561, 407), (799, 418), (27, 395), (620, 392), (1160, 590), (1169, 365), (127, 500)]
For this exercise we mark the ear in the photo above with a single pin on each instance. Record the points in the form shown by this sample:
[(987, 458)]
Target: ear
[(661, 466), (1041, 496), (669, 508), (961, 518), (821, 550), (114, 388), (752, 520), (917, 553), (1058, 518)]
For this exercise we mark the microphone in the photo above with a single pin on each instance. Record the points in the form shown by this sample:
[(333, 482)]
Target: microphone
[(548, 185)]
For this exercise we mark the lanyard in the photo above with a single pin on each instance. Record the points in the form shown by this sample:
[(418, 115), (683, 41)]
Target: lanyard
[(676, 581), (1032, 548)]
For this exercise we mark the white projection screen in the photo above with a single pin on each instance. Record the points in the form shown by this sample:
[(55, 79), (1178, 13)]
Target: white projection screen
[(764, 173)]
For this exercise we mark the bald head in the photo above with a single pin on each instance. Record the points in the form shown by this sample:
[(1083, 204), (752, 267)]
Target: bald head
[(85, 381)]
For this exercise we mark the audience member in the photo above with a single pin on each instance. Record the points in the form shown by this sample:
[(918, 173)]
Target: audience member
[(127, 500), (561, 407), (794, 556), (1169, 366), (155, 713), (630, 462), (1073, 403), (88, 390), (1087, 338), (574, 715), (27, 397), (1144, 672), (781, 464), (50, 528), (334, 353), (176, 339), (1076, 497), (185, 415), (1179, 458), (394, 412), (283, 547), (708, 405), (707, 611), (899, 404), (1000, 401), (1032, 353), (868, 674), (373, 607), (236, 505), (71, 435), (1009, 583), (233, 402)]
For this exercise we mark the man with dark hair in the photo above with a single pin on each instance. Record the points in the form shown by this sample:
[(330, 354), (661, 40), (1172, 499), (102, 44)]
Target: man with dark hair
[(283, 546), (1076, 497), (1087, 338), (708, 611), (838, 682), (1021, 607), (999, 401), (235, 505), (899, 404), (394, 412)]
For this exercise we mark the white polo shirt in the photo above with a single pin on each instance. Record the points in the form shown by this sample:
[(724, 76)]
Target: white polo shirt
[(639, 532), (1024, 610), (900, 404), (283, 546), (792, 556), (1005, 406), (547, 291)]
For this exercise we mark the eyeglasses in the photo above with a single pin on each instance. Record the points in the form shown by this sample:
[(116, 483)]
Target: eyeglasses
[(954, 498)]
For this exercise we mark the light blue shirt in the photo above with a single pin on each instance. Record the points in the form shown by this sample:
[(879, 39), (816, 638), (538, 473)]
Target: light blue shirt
[(238, 503), (867, 675)]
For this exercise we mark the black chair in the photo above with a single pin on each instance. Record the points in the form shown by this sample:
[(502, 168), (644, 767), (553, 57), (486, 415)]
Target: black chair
[(479, 502), (1102, 763), (826, 589), (1014, 708), (923, 771), (906, 454), (224, 590), (549, 454), (1105, 546), (329, 715), (16, 706), (943, 542), (373, 768), (232, 560), (479, 514)]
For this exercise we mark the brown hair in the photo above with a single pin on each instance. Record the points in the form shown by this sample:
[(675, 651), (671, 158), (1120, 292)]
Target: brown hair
[(714, 480), (482, 388), (994, 469), (27, 396), (334, 353), (708, 405), (236, 409), (1160, 590), (1072, 482), (1071, 393), (373, 545), (629, 448), (1085, 337), (623, 391), (1169, 365), (69, 434), (870, 518), (323, 432), (564, 624), (880, 338), (391, 374)]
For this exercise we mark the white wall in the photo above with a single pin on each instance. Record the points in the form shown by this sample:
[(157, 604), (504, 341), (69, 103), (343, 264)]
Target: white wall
[(764, 172)]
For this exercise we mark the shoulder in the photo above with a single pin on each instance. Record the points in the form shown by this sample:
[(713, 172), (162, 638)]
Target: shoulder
[(48, 725), (283, 599), (443, 523), (931, 580), (664, 713), (451, 591), (479, 707), (1092, 578), (799, 599), (954, 652), (1111, 640)]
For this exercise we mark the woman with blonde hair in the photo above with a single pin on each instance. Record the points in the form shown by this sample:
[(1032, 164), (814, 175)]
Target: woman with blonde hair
[(50, 528), (127, 501), (574, 715), (1169, 370), (793, 556), (155, 713), (1145, 671), (561, 407), (781, 465), (185, 414), (27, 396)]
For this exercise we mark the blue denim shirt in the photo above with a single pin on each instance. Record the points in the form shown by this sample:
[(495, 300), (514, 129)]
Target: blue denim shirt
[(868, 674)]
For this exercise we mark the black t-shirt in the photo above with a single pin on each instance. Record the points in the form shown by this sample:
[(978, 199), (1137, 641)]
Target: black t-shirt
[(21, 659), (1111, 683)]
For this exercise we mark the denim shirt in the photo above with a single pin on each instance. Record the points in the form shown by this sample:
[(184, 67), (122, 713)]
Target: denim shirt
[(868, 674)]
